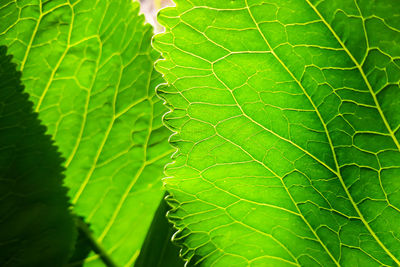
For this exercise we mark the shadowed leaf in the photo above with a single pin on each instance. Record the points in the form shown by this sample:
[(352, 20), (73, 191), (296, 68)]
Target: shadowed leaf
[(36, 227)]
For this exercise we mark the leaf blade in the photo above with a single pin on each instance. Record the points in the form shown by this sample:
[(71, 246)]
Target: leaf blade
[(302, 113), (88, 67)]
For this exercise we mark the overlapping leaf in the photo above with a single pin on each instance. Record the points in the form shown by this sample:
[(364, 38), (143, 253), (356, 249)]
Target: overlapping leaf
[(286, 113), (36, 226), (88, 67)]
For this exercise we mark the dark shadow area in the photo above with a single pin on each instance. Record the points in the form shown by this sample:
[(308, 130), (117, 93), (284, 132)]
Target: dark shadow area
[(83, 246), (158, 249), (36, 225)]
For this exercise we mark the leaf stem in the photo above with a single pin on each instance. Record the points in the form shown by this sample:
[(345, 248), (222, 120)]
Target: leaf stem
[(94, 244)]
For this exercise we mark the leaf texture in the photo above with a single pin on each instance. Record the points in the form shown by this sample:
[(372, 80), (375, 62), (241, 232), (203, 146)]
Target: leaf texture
[(88, 67), (287, 129), (36, 226)]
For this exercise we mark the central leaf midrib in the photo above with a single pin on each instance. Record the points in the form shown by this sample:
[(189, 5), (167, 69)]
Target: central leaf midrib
[(382, 116), (361, 217), (360, 69)]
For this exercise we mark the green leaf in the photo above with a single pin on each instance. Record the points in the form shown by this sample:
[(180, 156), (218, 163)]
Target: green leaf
[(158, 250), (83, 245), (88, 67), (287, 123), (36, 227)]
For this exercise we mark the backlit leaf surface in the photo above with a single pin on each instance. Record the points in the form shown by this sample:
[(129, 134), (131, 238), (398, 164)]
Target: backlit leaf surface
[(88, 67), (286, 113)]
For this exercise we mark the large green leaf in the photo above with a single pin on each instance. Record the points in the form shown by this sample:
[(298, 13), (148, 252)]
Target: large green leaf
[(36, 226), (286, 113), (88, 67)]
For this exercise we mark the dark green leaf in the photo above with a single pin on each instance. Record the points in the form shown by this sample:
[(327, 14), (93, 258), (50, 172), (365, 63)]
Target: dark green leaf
[(36, 227), (158, 250)]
